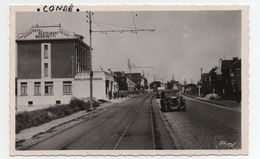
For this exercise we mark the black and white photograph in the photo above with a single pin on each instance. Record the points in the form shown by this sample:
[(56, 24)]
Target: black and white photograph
[(171, 81)]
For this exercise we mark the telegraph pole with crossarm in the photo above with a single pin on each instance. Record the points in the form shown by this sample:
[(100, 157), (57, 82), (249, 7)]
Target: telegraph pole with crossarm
[(90, 44)]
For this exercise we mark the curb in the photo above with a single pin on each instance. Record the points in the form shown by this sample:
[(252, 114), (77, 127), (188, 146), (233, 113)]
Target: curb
[(169, 128), (205, 100), (81, 116)]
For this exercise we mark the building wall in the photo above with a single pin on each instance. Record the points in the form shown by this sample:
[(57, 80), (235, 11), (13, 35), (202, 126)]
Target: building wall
[(29, 60), (62, 58), (80, 89), (131, 85), (51, 54), (42, 100), (61, 61), (82, 85)]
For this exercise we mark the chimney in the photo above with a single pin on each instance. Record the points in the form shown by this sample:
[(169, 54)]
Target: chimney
[(235, 59)]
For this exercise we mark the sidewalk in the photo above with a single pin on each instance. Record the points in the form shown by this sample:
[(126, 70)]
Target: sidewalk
[(226, 103), (41, 129)]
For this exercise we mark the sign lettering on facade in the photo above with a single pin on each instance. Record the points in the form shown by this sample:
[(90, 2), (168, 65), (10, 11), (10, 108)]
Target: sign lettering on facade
[(86, 79), (46, 33)]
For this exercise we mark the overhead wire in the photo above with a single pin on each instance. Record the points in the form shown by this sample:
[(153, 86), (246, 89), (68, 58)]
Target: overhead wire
[(122, 26), (101, 26), (105, 26), (119, 50), (142, 50)]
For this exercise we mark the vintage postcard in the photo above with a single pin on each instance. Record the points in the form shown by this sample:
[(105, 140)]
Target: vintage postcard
[(129, 80)]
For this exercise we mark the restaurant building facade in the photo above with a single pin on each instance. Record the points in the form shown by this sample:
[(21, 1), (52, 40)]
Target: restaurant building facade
[(53, 66)]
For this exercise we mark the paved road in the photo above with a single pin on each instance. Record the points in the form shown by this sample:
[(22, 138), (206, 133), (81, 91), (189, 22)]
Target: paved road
[(205, 126), (135, 124)]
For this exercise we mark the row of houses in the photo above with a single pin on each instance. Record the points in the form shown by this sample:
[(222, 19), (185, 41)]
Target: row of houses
[(53, 66), (225, 79)]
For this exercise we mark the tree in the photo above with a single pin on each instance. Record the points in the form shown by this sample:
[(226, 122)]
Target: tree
[(172, 83)]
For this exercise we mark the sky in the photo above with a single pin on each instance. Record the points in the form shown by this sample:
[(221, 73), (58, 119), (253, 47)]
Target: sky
[(183, 41)]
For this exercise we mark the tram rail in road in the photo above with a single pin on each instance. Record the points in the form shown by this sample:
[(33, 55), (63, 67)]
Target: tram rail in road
[(136, 124)]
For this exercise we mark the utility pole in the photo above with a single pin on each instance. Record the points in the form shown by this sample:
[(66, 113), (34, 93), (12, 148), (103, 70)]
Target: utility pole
[(201, 76), (90, 52), (129, 66), (90, 45)]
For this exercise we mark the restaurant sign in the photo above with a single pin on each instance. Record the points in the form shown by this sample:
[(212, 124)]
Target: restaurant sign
[(51, 32), (86, 79)]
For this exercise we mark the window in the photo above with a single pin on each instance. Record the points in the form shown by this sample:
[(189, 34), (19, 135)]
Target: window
[(48, 88), (30, 103), (46, 51), (24, 88), (67, 87), (58, 102), (46, 69), (238, 72), (37, 88), (46, 60)]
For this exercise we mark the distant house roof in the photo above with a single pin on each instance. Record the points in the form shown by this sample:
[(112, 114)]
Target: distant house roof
[(213, 70), (204, 76), (136, 77), (119, 74), (226, 64), (235, 63)]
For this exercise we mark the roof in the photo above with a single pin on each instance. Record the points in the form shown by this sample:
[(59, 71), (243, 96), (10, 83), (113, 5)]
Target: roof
[(204, 74), (37, 32), (226, 64), (119, 74), (236, 64), (213, 70), (230, 63), (136, 77)]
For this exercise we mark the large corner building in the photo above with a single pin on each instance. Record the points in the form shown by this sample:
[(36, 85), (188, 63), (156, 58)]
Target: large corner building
[(52, 66)]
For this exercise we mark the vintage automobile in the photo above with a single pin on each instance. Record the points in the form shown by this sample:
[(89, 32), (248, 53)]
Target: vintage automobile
[(172, 100)]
